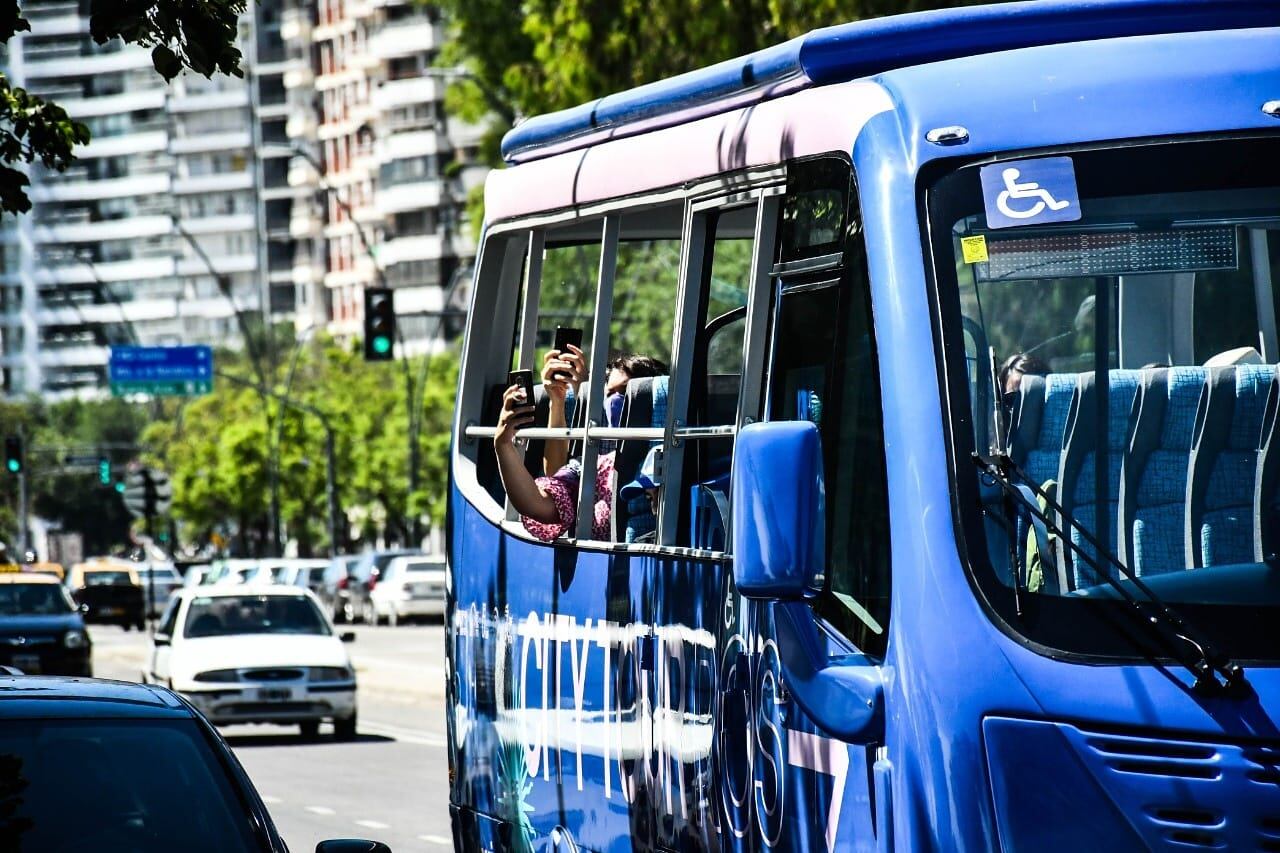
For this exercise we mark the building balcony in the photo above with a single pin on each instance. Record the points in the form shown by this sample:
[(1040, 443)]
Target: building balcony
[(148, 99), (418, 143), (195, 266), (425, 247), (205, 142), (223, 100), (409, 196), (132, 186), (220, 182), (295, 25), (92, 232), (220, 224), (135, 270), (89, 66), (301, 125), (123, 146), (413, 90), (402, 39), (74, 356), (299, 76)]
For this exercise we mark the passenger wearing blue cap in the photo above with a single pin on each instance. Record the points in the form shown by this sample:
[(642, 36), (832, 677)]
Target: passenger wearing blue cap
[(647, 483)]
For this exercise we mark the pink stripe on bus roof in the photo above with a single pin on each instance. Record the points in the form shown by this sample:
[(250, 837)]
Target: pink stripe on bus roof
[(813, 121)]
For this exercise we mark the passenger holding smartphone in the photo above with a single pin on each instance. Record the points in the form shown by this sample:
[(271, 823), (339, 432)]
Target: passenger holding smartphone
[(548, 504), (563, 370)]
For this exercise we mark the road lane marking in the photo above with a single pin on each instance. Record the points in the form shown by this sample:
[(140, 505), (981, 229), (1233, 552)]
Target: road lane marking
[(320, 810), (269, 800), (373, 824), (436, 839)]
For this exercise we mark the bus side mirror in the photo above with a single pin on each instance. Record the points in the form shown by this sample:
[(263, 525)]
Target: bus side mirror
[(779, 517)]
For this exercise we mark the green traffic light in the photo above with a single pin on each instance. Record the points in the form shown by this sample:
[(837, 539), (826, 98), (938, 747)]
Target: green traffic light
[(14, 466), (120, 487), (382, 345)]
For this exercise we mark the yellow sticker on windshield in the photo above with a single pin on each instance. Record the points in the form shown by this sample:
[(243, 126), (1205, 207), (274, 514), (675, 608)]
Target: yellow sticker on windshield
[(974, 249)]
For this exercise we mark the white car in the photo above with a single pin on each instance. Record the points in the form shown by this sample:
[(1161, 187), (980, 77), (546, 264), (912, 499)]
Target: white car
[(262, 655), (230, 572), (409, 586), (285, 572)]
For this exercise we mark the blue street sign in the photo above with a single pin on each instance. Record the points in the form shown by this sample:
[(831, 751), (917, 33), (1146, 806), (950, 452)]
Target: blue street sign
[(182, 370)]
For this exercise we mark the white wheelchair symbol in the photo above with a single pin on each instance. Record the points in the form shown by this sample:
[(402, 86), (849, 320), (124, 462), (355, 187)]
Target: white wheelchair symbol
[(1015, 190)]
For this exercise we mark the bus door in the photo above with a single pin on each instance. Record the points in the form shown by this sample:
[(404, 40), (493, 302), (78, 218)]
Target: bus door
[(806, 646)]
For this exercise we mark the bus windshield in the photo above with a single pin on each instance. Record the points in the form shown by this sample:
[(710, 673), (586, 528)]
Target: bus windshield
[(1122, 355)]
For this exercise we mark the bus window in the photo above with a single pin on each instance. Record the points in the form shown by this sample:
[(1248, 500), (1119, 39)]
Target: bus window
[(824, 370), (718, 364)]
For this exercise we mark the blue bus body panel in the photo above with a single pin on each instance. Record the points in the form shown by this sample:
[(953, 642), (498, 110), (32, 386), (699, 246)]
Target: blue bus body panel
[(637, 702), (862, 48), (944, 687)]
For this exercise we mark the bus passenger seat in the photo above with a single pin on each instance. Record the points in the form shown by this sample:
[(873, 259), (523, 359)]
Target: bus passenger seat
[(1037, 436), (1078, 469), (1266, 511), (1225, 464), (645, 406), (1153, 491)]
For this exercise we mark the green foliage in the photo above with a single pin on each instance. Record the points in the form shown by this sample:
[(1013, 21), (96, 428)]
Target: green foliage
[(195, 34), (218, 450)]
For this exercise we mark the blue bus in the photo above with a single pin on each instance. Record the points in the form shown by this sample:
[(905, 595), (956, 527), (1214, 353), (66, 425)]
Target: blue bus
[(945, 513)]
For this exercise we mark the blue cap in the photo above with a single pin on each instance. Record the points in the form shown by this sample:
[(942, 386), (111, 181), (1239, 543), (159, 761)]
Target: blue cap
[(649, 476)]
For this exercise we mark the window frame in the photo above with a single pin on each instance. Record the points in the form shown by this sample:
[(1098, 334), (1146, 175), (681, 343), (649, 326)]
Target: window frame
[(514, 248)]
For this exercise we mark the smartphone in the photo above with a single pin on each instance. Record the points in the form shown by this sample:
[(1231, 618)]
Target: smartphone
[(523, 378), (566, 335)]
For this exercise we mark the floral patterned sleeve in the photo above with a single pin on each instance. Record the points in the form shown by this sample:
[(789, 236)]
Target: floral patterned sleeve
[(562, 487)]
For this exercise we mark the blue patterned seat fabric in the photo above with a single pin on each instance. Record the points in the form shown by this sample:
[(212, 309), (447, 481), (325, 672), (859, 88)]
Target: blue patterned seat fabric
[(1123, 387), (1159, 517), (1045, 449), (640, 518), (1226, 528)]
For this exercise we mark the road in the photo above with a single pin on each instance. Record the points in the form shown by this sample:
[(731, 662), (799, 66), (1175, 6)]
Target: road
[(390, 784)]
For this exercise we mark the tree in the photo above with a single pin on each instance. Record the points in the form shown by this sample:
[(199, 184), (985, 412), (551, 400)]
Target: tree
[(536, 56), (199, 36)]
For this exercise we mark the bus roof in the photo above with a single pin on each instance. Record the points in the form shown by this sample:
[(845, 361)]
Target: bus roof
[(862, 48)]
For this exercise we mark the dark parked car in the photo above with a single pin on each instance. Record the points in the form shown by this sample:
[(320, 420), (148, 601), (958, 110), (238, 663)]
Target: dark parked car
[(41, 629), (364, 577), (110, 595), (113, 767), (334, 590)]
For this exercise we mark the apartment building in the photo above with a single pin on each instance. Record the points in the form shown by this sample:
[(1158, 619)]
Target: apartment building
[(151, 236), (330, 167), (385, 170)]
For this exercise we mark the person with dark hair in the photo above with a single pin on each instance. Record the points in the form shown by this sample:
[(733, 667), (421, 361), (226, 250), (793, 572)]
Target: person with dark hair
[(1015, 367), (548, 504)]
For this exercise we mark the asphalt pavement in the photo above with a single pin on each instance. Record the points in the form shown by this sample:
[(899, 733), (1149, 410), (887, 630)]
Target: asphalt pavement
[(390, 784)]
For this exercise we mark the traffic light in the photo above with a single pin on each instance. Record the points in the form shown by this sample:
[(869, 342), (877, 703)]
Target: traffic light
[(104, 471), (13, 454), (379, 324)]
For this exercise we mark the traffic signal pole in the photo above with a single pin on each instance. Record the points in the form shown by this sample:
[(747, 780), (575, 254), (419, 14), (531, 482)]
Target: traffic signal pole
[(22, 513)]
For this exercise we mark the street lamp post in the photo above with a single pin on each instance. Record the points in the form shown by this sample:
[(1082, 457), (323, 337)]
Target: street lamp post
[(330, 448), (382, 282), (276, 532)]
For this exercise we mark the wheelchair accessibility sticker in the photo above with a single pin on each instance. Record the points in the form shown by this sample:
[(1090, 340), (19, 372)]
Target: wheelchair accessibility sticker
[(1030, 192)]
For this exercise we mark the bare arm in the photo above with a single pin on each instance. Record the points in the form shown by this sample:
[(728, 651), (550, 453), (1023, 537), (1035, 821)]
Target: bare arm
[(521, 488), (561, 373)]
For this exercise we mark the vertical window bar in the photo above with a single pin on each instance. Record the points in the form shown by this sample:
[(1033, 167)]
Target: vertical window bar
[(596, 373), (686, 335), (529, 322), (755, 340), (532, 295)]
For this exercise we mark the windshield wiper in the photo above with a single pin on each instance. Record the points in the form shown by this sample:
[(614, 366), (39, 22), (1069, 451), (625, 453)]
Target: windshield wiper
[(1212, 669)]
